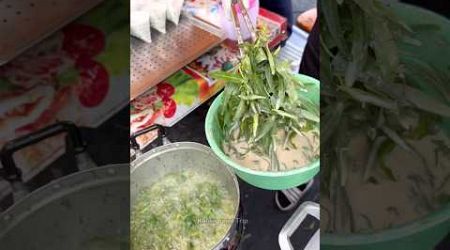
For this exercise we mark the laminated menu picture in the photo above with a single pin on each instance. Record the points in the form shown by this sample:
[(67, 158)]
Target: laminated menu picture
[(219, 58), (71, 72), (169, 101)]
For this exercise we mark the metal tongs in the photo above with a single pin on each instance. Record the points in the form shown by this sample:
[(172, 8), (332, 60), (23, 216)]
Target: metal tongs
[(237, 24)]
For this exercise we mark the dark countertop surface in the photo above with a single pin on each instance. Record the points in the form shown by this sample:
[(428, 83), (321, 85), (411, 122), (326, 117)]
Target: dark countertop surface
[(264, 219)]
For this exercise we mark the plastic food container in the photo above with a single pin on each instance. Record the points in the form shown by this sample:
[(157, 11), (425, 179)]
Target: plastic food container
[(262, 179), (426, 232)]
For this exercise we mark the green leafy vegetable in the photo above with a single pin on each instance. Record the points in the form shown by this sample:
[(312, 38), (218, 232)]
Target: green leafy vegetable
[(186, 89), (70, 76), (373, 85), (186, 93), (261, 97), (115, 58)]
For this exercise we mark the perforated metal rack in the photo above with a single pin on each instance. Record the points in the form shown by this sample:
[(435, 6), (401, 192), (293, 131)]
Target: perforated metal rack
[(153, 62), (23, 23)]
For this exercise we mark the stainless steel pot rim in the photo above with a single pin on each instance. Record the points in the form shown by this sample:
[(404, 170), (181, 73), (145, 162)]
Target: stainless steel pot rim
[(142, 159), (176, 146), (59, 188)]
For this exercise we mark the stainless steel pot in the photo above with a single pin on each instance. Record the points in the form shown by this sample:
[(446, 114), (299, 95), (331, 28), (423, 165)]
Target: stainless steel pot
[(152, 165), (85, 210), (68, 213)]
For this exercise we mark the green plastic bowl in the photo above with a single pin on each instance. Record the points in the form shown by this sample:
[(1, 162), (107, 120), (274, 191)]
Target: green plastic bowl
[(263, 179), (427, 232), (422, 234)]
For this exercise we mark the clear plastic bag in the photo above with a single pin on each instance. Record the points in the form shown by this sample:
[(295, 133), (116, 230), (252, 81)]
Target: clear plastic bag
[(158, 14), (147, 14), (174, 10), (140, 25)]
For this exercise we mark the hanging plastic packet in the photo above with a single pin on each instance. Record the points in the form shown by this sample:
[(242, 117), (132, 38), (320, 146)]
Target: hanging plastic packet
[(140, 25), (140, 20), (174, 10), (157, 9)]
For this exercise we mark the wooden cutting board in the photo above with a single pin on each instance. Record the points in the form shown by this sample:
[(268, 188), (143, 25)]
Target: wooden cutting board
[(153, 62), (24, 23)]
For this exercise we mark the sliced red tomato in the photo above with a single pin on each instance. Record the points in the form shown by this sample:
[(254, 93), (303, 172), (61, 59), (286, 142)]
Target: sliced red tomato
[(94, 84), (203, 88), (165, 90), (82, 40), (170, 107)]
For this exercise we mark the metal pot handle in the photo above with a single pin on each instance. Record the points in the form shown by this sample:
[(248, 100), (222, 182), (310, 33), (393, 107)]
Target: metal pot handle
[(161, 133), (307, 208), (13, 174)]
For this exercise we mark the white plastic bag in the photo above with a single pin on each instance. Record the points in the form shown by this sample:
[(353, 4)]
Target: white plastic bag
[(140, 25), (174, 10), (140, 20), (158, 14), (146, 14)]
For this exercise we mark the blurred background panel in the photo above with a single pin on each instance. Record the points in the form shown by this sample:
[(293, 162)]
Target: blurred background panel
[(384, 114), (64, 94)]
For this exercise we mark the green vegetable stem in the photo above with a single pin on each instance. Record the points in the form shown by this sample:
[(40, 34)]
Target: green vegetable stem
[(261, 98)]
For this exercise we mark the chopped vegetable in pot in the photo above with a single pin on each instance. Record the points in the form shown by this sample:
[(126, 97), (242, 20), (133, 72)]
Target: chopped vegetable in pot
[(184, 210)]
